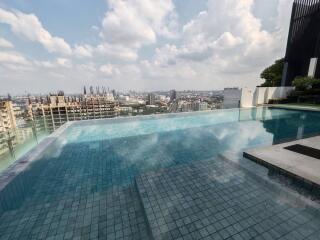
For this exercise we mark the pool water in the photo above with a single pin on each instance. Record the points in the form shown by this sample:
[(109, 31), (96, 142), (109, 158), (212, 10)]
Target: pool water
[(139, 145), (85, 186)]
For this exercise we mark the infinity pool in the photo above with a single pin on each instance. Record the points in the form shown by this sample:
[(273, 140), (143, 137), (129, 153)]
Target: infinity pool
[(83, 186)]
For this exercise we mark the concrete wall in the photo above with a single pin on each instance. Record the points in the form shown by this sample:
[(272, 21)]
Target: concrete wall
[(247, 98), (262, 95)]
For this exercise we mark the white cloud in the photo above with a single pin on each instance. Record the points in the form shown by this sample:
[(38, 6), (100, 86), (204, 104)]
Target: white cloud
[(138, 22), (116, 51), (30, 27), (83, 51), (283, 19), (224, 46), (109, 70), (5, 43), (228, 24), (64, 62), (45, 64), (13, 57), (123, 25), (226, 41)]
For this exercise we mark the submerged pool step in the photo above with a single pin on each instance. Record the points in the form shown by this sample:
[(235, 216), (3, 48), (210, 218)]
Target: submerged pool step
[(148, 225)]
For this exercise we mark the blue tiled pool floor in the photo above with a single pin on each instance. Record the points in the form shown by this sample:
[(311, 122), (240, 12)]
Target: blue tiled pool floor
[(109, 215), (217, 200), (75, 197)]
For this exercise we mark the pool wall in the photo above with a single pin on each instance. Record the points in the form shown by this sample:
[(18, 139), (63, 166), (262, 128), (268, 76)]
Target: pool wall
[(17, 179)]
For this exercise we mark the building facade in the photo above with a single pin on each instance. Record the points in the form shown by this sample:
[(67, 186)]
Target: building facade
[(231, 98), (173, 95), (57, 110), (8, 125), (7, 116), (303, 47), (151, 99)]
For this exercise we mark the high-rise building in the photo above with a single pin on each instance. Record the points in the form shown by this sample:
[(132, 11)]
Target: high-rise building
[(7, 125), (303, 47), (57, 110), (231, 97), (7, 116), (151, 99), (186, 106), (173, 95), (199, 106)]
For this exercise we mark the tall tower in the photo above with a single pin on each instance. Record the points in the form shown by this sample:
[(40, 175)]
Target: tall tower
[(303, 46)]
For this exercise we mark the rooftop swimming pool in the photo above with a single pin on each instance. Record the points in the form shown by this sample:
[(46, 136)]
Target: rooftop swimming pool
[(122, 179)]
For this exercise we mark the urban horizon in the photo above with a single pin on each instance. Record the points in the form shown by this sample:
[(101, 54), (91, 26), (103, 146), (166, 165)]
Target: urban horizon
[(123, 91)]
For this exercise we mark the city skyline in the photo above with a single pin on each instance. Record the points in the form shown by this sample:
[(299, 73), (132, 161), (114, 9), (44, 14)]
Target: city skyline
[(53, 45)]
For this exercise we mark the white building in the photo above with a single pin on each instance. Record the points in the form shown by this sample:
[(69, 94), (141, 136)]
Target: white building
[(231, 97)]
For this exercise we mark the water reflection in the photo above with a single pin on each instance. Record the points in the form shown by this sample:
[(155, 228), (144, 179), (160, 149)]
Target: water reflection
[(298, 125), (139, 145)]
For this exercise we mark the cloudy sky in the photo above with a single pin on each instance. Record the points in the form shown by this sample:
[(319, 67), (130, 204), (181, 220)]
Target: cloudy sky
[(138, 44)]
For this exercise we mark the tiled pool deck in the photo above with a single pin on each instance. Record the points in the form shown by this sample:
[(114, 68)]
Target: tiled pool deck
[(297, 165), (216, 200)]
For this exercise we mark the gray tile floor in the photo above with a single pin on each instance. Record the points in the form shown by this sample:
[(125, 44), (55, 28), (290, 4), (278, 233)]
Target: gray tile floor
[(79, 195), (113, 214), (87, 192), (216, 200)]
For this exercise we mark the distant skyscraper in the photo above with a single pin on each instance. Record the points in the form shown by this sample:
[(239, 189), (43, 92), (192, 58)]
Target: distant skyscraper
[(151, 99), (173, 95), (113, 93), (231, 97), (91, 90)]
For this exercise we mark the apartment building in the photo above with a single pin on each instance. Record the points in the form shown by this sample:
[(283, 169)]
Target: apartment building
[(7, 125), (55, 110)]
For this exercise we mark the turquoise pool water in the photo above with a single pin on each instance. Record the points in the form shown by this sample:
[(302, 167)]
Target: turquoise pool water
[(83, 187), (140, 144)]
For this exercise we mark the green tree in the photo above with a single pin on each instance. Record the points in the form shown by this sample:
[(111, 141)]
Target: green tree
[(273, 74), (306, 83)]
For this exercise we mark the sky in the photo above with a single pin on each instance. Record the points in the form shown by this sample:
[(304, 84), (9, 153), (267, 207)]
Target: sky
[(142, 45)]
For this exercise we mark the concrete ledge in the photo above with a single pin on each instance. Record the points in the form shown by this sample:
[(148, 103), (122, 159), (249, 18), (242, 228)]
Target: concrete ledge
[(294, 107), (295, 165), (270, 180)]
